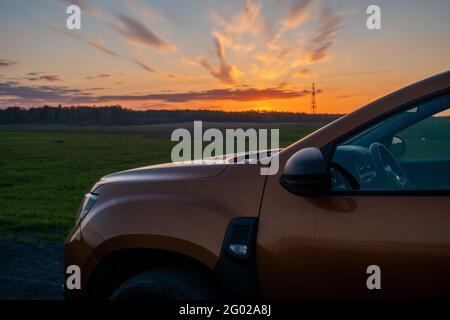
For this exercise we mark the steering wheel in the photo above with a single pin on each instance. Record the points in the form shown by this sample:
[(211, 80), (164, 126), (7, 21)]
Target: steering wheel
[(386, 165)]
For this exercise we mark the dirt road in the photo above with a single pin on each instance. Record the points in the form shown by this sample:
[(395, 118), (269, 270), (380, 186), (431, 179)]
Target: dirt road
[(30, 271)]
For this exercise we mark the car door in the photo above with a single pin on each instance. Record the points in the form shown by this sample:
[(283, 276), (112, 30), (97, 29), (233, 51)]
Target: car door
[(401, 231), (338, 244)]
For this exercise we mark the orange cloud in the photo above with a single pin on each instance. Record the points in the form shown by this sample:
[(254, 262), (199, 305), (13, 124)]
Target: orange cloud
[(302, 73), (249, 20), (224, 73), (297, 15), (234, 32), (273, 56)]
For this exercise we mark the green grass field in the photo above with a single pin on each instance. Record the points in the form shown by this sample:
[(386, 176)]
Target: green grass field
[(45, 171), (435, 145)]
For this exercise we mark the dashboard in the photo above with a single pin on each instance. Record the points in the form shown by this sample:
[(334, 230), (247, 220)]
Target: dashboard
[(354, 161)]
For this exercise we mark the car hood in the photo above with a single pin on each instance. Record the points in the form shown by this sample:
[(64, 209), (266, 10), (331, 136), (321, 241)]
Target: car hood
[(169, 171), (196, 169)]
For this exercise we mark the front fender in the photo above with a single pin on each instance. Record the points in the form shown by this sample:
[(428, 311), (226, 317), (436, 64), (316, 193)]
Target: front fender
[(186, 216), (178, 224)]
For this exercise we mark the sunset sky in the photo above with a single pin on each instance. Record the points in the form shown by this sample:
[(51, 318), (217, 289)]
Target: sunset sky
[(216, 54)]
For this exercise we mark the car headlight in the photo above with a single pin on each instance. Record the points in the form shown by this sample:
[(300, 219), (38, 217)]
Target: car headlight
[(88, 202)]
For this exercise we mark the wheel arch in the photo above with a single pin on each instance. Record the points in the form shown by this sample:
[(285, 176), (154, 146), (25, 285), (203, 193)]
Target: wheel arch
[(118, 265)]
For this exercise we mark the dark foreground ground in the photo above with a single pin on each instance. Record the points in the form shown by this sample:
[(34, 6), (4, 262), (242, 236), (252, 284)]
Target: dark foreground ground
[(30, 271)]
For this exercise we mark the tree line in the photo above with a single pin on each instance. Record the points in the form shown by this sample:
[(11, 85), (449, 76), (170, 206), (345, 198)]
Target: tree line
[(116, 115)]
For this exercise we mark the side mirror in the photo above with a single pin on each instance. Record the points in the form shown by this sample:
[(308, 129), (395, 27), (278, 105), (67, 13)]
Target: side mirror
[(398, 146), (305, 173)]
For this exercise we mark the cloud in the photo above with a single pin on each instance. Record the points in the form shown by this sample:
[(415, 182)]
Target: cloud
[(189, 62), (247, 94), (36, 76), (281, 53), (248, 20), (41, 94), (96, 89), (16, 93), (273, 56), (168, 76), (145, 67), (6, 63), (302, 73), (325, 35), (98, 76), (136, 32), (231, 42), (97, 43), (131, 29), (178, 77), (141, 8), (297, 15), (244, 31), (318, 44), (224, 73)]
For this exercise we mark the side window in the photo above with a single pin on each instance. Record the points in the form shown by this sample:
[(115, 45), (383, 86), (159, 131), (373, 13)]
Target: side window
[(409, 150), (429, 139)]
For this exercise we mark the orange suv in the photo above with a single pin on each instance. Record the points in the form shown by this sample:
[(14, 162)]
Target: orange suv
[(370, 191)]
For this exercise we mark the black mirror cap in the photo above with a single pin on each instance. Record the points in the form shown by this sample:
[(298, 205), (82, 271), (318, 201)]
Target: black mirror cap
[(305, 173)]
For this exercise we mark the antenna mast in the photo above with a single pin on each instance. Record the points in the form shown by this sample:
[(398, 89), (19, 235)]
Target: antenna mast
[(313, 101)]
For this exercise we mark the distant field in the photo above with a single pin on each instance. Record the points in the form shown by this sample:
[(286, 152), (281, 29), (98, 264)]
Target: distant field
[(435, 145), (45, 170)]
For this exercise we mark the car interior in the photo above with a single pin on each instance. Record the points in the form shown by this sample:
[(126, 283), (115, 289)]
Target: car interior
[(409, 150)]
